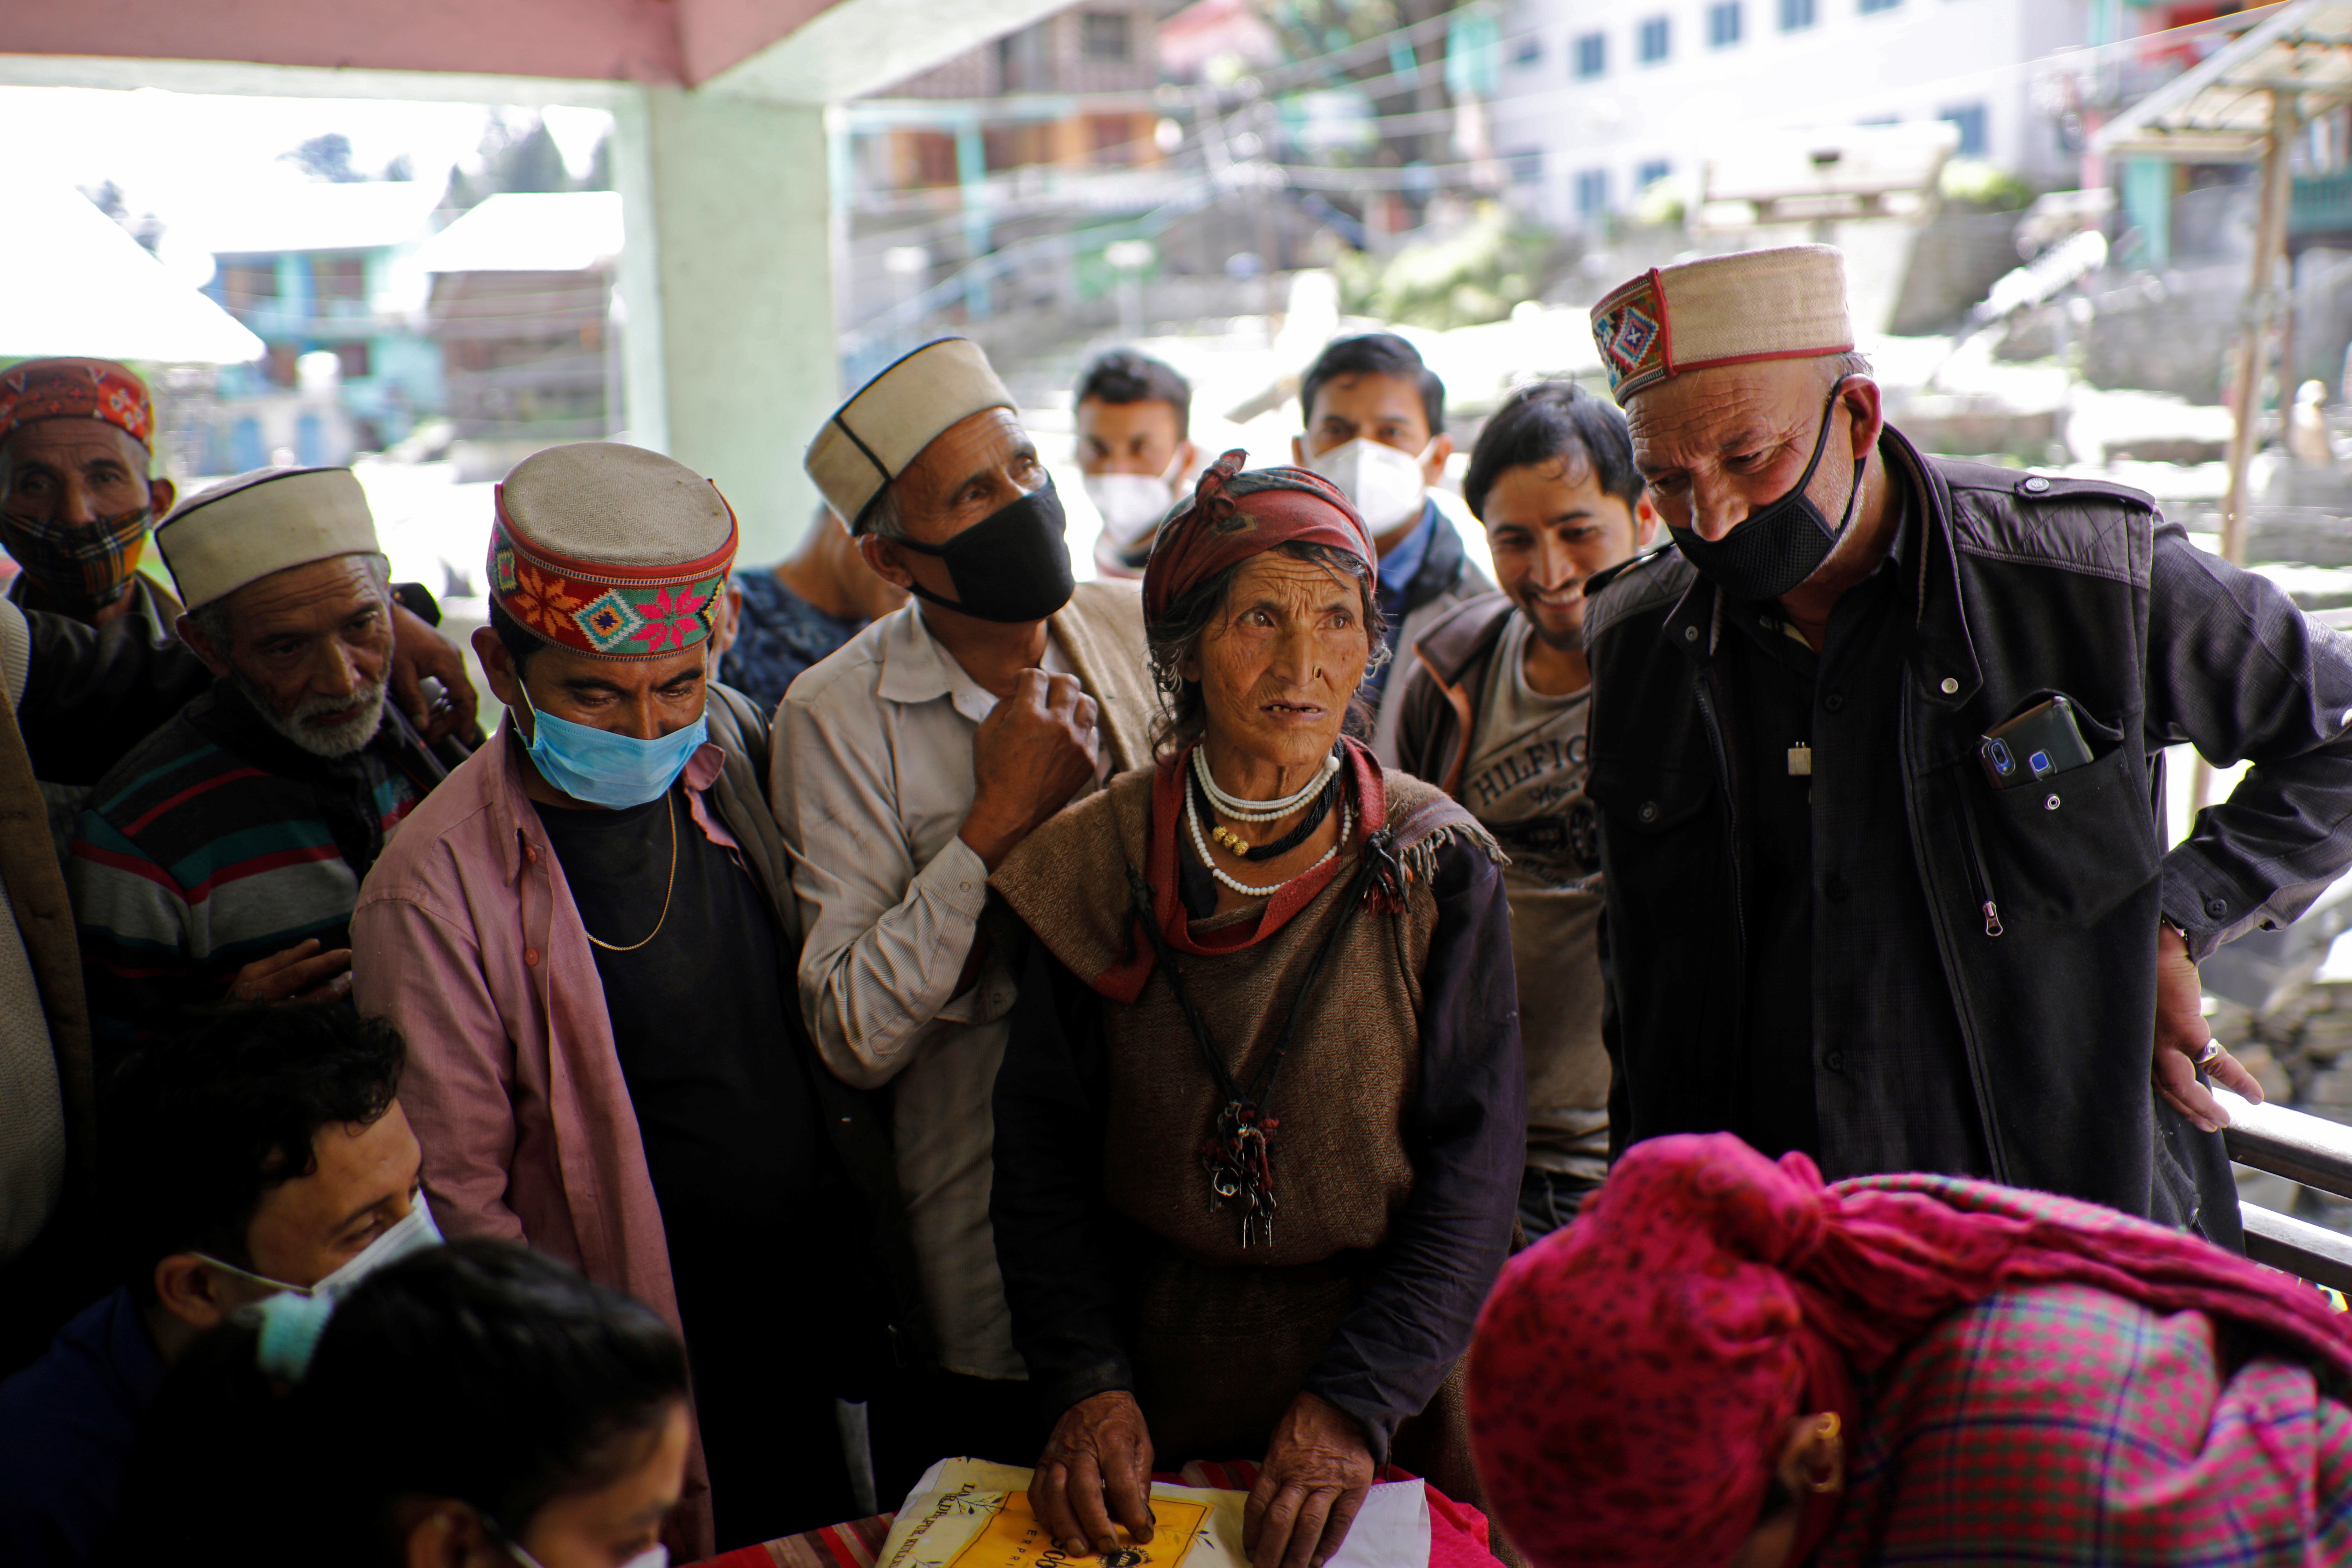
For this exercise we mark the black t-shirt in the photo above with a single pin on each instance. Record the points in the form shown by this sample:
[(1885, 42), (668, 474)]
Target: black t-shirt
[(752, 1197), (731, 1134)]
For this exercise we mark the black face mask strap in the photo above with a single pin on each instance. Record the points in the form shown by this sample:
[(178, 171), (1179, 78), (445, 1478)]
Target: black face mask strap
[(1821, 442)]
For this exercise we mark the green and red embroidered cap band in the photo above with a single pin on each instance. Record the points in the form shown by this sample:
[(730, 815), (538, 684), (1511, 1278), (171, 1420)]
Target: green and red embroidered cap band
[(1785, 303), (611, 550)]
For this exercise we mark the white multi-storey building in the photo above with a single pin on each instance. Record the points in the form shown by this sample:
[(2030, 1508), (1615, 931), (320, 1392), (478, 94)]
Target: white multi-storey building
[(1600, 99)]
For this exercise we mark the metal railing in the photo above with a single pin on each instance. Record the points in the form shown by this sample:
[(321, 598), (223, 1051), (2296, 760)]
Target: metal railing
[(2301, 1147)]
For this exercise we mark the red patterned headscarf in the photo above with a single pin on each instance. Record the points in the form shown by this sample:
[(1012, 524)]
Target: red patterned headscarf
[(1234, 515), (76, 389), (1632, 1374)]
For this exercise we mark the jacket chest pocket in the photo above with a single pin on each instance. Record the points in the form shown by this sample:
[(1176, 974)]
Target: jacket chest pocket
[(2065, 850), (1649, 802)]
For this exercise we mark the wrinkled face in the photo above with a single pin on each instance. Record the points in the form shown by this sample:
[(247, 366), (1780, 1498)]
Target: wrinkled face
[(1550, 527), (1715, 446), (366, 1182), (76, 471), (974, 468), (1127, 438), (606, 1526), (312, 646), (1281, 660)]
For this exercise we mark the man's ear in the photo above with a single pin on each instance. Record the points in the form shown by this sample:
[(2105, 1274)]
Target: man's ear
[(1646, 522), (498, 667), (1865, 406), (215, 659), (1187, 455), (161, 495), (1298, 451), (1432, 467), (185, 1285), (729, 620), (881, 556)]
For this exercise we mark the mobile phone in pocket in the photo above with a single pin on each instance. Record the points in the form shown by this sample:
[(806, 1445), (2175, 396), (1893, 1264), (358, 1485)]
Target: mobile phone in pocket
[(2040, 742)]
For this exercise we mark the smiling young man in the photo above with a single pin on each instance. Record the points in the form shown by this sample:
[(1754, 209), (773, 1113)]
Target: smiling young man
[(1494, 710), (264, 1152), (221, 858), (1376, 427), (587, 935)]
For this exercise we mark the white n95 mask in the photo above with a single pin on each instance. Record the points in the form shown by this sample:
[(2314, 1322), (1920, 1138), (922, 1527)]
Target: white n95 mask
[(1131, 505), (1385, 486)]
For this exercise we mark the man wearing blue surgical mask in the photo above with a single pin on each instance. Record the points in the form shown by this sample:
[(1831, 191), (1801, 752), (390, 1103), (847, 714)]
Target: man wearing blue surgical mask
[(591, 945), (263, 1153), (1376, 427), (908, 765)]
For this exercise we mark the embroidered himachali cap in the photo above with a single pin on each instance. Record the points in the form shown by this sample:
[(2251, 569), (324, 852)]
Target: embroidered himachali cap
[(872, 439), (76, 389), (1787, 303), (241, 530), (611, 550)]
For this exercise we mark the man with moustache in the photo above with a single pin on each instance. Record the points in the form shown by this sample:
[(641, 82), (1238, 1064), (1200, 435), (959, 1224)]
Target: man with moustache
[(1841, 918), (221, 858), (908, 766)]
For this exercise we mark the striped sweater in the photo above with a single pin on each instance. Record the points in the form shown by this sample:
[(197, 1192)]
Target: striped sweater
[(216, 842)]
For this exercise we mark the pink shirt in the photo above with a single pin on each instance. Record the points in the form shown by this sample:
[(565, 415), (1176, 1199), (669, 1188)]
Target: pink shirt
[(466, 939)]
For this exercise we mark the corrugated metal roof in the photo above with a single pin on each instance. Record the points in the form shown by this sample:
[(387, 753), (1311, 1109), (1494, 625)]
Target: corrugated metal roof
[(2219, 111)]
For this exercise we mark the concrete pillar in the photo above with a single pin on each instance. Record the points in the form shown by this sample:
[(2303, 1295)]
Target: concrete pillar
[(727, 293)]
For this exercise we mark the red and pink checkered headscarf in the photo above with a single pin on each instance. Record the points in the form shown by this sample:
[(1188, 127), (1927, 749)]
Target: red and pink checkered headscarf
[(77, 389), (1634, 1374)]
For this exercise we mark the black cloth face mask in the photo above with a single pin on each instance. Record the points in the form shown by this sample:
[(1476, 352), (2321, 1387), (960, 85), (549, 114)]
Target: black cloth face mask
[(1013, 565), (1773, 550)]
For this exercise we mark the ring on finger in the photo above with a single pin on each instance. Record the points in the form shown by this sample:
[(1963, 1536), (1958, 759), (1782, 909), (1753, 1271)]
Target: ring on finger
[(2210, 1054)]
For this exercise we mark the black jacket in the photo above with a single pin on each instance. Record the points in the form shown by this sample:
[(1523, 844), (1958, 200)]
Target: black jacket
[(2024, 585)]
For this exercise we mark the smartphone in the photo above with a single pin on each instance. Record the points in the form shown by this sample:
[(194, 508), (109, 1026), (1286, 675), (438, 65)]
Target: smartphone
[(2040, 742)]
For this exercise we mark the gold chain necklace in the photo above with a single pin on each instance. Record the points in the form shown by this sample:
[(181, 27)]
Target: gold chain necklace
[(671, 816)]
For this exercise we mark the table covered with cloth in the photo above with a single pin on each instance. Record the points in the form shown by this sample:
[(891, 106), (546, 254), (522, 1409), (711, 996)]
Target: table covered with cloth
[(1458, 1534)]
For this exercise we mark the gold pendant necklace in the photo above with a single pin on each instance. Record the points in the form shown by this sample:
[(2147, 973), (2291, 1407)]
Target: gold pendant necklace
[(671, 816)]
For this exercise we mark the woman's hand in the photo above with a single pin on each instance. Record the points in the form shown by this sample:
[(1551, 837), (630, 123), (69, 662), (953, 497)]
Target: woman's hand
[(1100, 1445), (1315, 1476)]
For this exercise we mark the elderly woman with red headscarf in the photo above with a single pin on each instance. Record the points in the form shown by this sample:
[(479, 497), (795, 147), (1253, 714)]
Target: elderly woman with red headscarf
[(1723, 1361), (1258, 1124)]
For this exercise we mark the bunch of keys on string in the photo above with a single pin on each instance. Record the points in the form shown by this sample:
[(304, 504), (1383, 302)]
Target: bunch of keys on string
[(1241, 1169)]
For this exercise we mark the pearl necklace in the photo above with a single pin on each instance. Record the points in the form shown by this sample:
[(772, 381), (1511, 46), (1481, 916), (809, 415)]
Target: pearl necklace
[(1192, 820), (1240, 810)]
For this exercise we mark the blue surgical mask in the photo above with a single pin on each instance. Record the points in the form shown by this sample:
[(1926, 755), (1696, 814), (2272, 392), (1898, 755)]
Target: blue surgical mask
[(616, 772)]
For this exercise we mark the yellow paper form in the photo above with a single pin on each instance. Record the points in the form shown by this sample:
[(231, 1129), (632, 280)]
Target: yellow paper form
[(968, 1513), (1013, 1539)]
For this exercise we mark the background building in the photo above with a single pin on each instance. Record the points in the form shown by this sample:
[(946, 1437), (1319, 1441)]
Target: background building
[(1603, 99), (323, 269)]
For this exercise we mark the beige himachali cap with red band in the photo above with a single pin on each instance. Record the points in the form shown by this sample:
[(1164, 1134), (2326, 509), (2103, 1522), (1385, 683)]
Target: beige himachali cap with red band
[(1787, 303), (611, 550)]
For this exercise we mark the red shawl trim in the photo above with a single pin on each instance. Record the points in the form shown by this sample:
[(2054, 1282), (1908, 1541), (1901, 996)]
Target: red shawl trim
[(1124, 981)]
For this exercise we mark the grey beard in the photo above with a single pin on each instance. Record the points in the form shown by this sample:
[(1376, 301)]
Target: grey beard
[(341, 740)]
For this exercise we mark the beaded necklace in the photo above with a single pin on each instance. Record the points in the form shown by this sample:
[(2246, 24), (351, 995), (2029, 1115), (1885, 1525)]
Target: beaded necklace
[(1201, 843)]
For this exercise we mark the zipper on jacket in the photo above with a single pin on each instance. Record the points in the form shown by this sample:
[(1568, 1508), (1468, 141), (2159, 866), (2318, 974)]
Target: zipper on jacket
[(1979, 872)]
